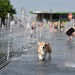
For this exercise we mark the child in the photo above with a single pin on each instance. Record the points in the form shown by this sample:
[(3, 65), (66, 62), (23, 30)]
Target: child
[(70, 32), (32, 31)]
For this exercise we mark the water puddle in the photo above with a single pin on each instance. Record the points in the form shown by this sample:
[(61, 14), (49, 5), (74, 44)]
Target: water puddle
[(70, 64)]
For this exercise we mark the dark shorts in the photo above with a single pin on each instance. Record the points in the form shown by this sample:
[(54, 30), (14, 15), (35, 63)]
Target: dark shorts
[(62, 26), (69, 34), (55, 27), (70, 31)]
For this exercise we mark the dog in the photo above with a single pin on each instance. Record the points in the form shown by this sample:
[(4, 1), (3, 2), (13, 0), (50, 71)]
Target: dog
[(43, 50)]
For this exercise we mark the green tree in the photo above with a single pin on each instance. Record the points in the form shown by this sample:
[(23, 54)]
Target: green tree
[(5, 8)]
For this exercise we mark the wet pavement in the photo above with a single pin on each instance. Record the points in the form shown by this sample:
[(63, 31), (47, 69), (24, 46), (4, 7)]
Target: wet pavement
[(62, 60)]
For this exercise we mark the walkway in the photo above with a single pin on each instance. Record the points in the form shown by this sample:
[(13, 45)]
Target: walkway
[(62, 59)]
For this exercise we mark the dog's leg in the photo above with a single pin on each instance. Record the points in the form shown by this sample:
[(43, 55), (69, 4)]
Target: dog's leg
[(44, 55), (40, 57)]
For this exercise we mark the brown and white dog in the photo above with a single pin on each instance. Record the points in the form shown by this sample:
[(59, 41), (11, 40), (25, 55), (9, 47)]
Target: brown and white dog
[(43, 49)]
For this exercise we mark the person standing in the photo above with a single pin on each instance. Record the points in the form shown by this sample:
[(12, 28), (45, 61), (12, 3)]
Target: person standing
[(55, 26), (51, 26), (62, 26)]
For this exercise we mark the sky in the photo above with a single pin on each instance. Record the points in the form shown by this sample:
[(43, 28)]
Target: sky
[(43, 5)]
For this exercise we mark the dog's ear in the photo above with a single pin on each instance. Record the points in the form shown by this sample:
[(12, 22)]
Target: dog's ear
[(48, 43)]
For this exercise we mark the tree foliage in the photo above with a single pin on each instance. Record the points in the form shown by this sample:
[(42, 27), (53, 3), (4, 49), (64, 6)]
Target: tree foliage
[(5, 8)]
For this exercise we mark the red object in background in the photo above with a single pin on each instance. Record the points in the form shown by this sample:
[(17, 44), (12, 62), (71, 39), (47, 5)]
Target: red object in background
[(70, 16)]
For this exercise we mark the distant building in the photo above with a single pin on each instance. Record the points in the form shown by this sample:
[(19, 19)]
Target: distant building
[(54, 17), (51, 16)]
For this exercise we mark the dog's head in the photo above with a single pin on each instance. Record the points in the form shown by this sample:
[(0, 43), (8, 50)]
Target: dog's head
[(41, 44)]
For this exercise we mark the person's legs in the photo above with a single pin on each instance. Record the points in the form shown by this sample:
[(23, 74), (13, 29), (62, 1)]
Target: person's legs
[(70, 38)]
